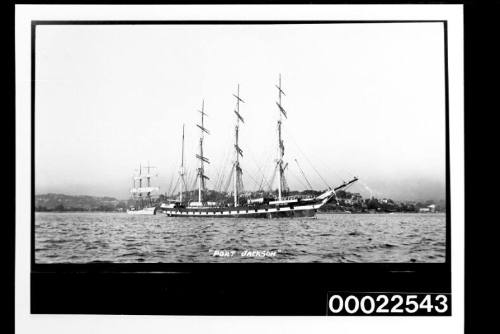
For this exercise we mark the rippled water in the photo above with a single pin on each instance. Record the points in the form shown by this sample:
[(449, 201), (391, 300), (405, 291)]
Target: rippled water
[(123, 238)]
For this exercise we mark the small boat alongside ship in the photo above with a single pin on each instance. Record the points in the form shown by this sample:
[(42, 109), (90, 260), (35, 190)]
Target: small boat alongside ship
[(273, 206)]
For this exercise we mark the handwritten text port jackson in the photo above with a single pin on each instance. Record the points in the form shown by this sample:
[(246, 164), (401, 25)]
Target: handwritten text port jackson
[(245, 253)]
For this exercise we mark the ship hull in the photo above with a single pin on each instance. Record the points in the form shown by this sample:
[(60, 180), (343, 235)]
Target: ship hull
[(288, 208), (243, 212), (145, 211)]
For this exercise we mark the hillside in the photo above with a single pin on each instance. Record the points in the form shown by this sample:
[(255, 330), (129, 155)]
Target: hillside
[(61, 202)]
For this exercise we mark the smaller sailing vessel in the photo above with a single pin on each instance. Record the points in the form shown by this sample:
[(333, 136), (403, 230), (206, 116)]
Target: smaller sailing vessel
[(143, 197)]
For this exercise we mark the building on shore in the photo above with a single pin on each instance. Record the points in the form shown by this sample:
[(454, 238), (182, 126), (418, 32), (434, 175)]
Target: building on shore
[(429, 208)]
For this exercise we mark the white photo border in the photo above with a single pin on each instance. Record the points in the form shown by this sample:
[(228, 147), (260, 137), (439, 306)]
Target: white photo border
[(26, 322)]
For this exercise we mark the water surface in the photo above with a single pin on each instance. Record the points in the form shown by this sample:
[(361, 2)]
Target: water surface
[(122, 238)]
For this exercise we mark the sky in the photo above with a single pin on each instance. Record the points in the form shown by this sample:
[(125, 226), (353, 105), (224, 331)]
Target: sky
[(365, 100)]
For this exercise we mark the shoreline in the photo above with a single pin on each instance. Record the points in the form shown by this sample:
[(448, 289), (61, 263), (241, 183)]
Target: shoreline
[(318, 213)]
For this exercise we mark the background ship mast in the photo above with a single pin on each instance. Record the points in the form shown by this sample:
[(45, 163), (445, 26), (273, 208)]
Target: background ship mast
[(181, 169), (282, 185), (148, 175), (238, 181), (136, 192), (140, 186), (148, 183), (201, 171)]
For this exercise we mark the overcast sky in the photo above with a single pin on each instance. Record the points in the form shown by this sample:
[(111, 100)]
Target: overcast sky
[(362, 99)]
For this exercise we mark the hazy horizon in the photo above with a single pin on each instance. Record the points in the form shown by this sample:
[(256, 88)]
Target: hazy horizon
[(362, 99), (421, 193)]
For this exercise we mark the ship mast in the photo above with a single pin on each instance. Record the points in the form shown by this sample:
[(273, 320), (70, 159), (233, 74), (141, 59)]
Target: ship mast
[(148, 183), (140, 176), (148, 175), (181, 169), (140, 185), (281, 148), (203, 159), (237, 172)]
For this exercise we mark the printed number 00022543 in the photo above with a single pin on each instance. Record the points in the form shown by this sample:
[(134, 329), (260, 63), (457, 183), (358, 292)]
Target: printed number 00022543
[(388, 304)]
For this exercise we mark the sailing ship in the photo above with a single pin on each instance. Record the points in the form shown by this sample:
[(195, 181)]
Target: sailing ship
[(275, 206), (144, 196)]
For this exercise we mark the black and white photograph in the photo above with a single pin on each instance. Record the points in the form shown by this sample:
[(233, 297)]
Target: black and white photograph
[(262, 142), (197, 151)]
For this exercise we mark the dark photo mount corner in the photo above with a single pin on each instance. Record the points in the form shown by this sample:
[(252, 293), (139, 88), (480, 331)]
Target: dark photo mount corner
[(222, 288)]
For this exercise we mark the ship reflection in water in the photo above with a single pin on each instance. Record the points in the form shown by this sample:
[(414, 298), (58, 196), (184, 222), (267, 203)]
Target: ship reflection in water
[(121, 238)]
